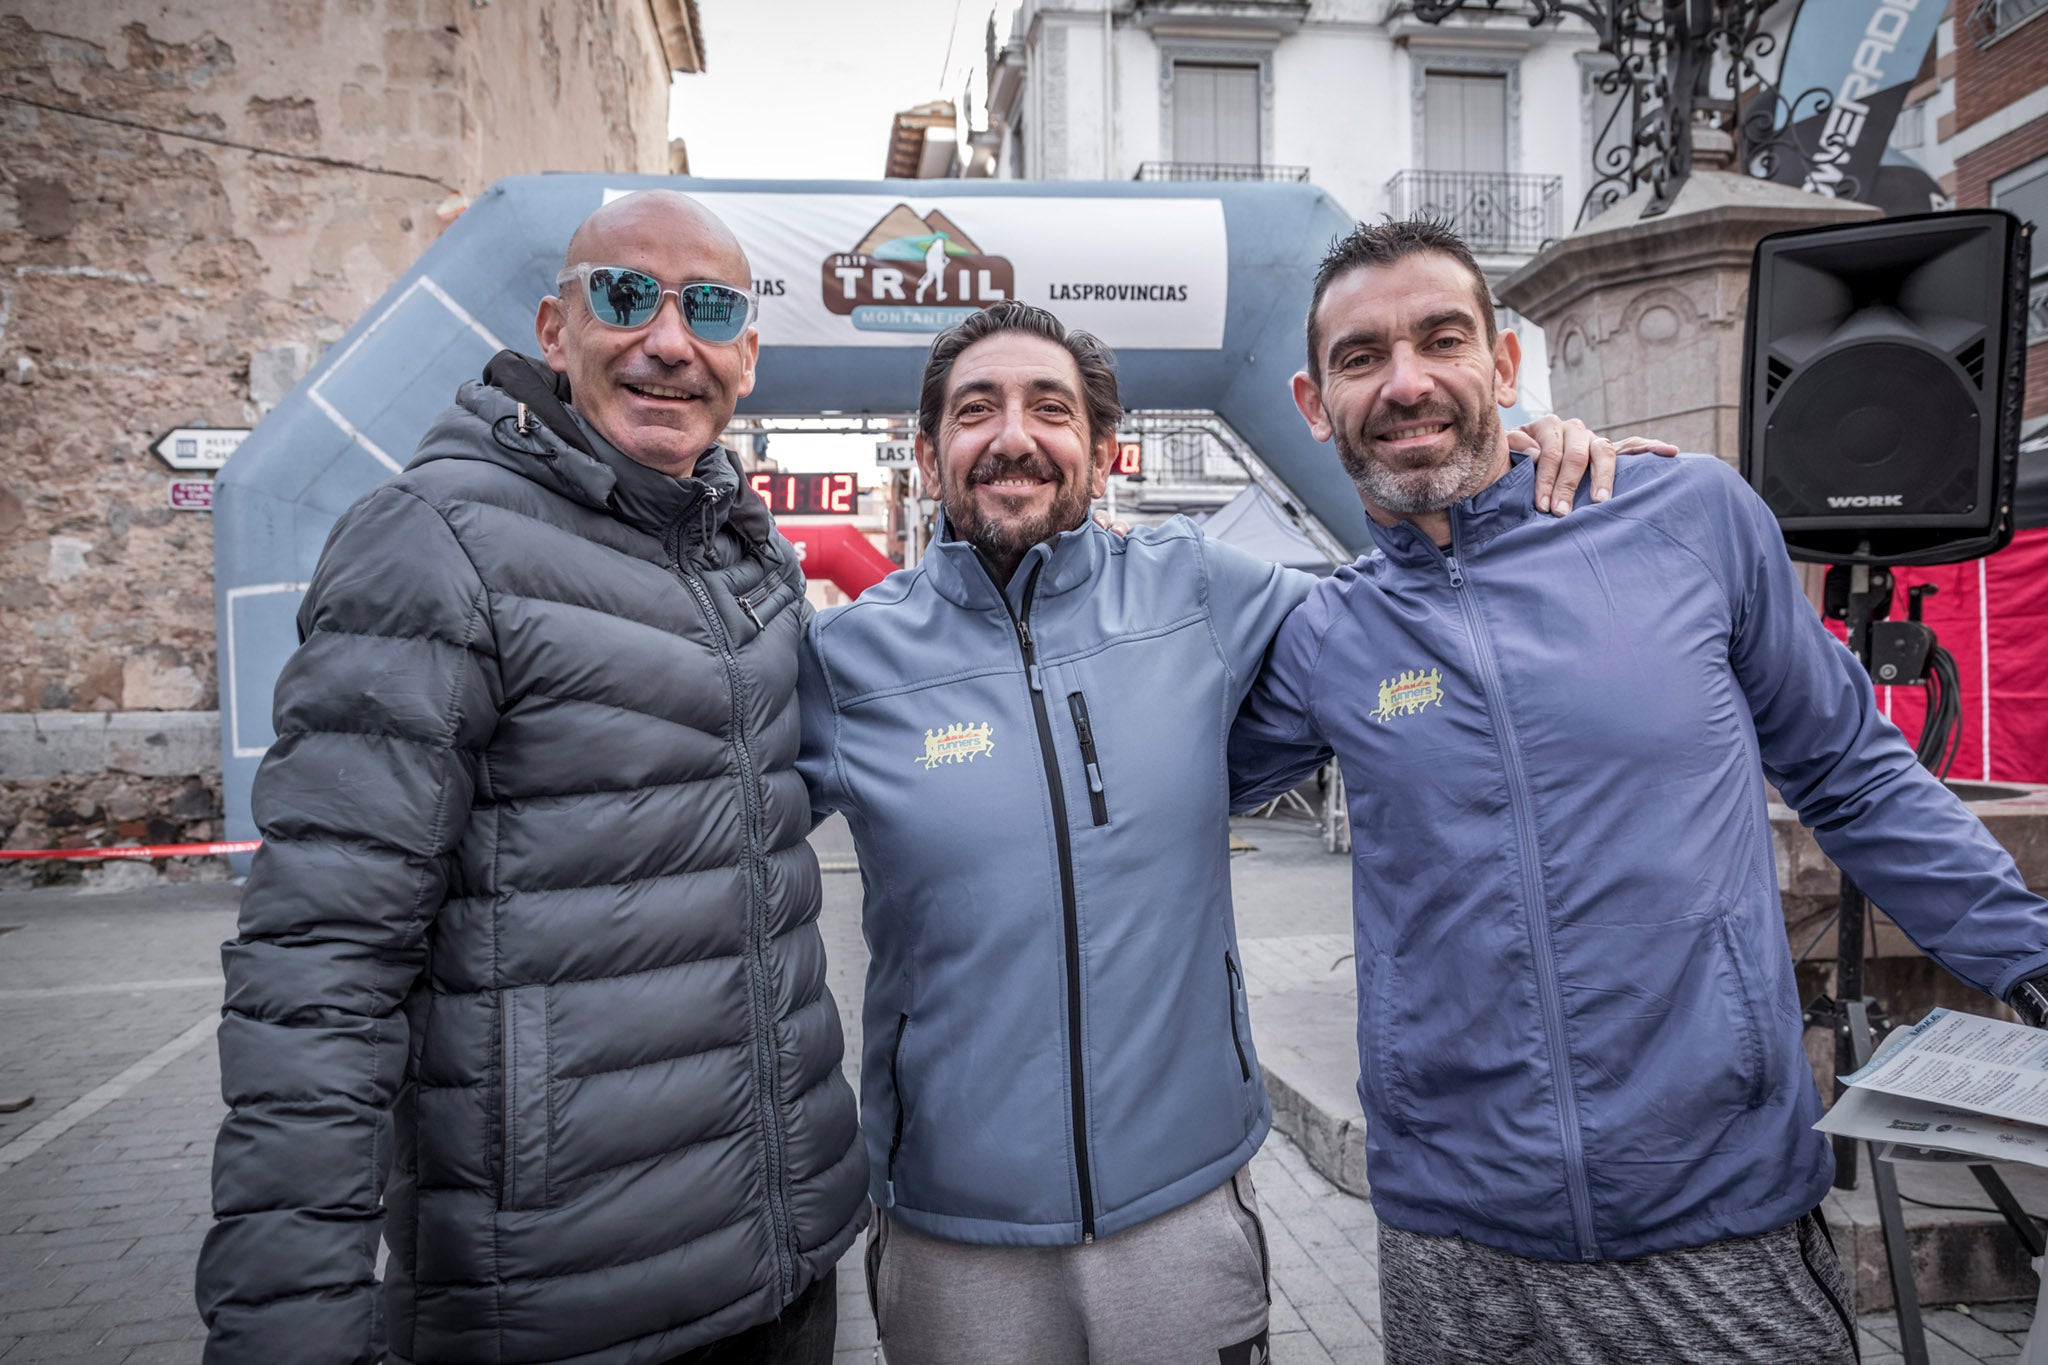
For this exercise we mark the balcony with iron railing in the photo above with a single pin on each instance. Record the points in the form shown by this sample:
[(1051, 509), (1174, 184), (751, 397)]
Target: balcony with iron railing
[(1497, 214), (1217, 170)]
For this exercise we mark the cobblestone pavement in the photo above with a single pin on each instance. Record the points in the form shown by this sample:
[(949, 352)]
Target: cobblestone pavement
[(107, 1009)]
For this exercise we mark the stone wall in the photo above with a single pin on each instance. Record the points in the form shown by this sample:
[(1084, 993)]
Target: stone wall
[(192, 205)]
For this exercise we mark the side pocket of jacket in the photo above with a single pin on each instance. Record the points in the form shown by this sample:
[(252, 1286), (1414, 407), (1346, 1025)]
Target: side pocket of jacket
[(1377, 1050), (896, 1085), (1744, 1008), (526, 1134)]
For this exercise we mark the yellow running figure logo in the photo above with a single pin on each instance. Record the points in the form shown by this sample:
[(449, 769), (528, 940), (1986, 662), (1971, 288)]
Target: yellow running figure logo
[(957, 743), (1406, 693)]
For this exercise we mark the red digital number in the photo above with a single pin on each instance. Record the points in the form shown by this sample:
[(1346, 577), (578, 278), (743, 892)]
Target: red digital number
[(842, 493), (764, 488)]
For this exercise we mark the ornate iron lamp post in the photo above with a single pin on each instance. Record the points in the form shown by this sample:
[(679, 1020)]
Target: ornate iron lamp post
[(1682, 68)]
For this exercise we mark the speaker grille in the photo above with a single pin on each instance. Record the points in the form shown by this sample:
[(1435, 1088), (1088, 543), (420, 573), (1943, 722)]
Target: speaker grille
[(1842, 446)]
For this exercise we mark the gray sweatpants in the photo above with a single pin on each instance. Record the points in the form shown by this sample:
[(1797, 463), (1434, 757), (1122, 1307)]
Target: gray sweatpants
[(1779, 1298), (1188, 1286)]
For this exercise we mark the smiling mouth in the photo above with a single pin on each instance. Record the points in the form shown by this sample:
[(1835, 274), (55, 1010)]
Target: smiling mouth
[(1013, 483), (1412, 431), (660, 393)]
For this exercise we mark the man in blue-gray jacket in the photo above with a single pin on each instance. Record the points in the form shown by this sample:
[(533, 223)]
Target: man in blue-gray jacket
[(1026, 733), (1589, 1112)]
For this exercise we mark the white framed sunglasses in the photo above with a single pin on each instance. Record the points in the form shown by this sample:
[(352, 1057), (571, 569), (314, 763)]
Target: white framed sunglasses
[(622, 297)]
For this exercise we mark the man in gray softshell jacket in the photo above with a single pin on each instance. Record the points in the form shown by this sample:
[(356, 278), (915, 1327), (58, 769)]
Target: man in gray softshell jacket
[(528, 972)]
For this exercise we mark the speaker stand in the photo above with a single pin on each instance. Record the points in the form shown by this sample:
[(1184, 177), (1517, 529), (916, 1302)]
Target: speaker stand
[(1850, 1015)]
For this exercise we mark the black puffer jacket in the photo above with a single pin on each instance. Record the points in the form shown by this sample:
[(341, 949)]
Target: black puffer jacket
[(533, 927)]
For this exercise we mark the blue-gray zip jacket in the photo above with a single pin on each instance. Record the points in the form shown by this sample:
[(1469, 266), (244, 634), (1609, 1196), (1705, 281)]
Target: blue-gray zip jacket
[(1055, 1044), (1578, 1032)]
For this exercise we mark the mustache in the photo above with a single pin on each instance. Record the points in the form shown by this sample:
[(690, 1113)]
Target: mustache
[(992, 467)]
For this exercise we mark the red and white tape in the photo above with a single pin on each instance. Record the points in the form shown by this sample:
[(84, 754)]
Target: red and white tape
[(136, 851)]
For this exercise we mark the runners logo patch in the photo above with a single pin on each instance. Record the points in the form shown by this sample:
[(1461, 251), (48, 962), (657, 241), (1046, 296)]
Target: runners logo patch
[(1407, 693), (957, 743)]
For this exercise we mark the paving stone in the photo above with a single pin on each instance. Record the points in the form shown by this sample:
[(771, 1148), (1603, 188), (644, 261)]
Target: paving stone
[(1971, 1335), (2013, 1317)]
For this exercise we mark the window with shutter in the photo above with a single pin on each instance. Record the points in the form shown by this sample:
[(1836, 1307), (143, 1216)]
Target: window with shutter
[(1465, 121), (1216, 113)]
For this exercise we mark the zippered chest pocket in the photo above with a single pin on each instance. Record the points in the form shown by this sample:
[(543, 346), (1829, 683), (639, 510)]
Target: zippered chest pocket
[(1091, 763)]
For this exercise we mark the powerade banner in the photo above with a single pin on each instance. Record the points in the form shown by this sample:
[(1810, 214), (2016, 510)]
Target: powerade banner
[(883, 270), (1864, 54)]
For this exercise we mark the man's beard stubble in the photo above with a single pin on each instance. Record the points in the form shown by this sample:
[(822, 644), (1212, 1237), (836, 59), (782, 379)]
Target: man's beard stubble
[(1010, 538), (1425, 488)]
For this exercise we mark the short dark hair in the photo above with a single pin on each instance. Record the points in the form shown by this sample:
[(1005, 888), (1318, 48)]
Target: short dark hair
[(1095, 362), (1371, 244)]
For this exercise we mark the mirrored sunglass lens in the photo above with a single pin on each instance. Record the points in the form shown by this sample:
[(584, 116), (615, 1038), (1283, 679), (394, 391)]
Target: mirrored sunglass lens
[(715, 312), (624, 298)]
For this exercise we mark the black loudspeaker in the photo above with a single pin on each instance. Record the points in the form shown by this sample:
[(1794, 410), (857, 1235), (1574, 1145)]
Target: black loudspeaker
[(1882, 378)]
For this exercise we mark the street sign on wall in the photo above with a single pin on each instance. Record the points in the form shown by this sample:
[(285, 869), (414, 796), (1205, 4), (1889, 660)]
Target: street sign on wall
[(198, 447), (896, 454), (192, 495)]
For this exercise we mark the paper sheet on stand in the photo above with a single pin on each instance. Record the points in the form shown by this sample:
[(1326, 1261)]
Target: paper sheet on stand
[(1919, 1131), (1967, 1062)]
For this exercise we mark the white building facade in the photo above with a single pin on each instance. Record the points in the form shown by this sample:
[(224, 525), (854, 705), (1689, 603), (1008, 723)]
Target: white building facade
[(1482, 117)]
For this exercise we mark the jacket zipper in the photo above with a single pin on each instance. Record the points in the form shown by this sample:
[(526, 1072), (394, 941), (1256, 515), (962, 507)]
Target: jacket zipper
[(1537, 912), (1098, 804), (1063, 842), (767, 1073), (1235, 978), (896, 1084)]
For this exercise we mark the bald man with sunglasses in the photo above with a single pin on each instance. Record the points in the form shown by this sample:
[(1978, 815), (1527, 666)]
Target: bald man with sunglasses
[(528, 975)]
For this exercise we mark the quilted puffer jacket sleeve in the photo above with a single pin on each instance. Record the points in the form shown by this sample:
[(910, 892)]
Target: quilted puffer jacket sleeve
[(1911, 845), (381, 716)]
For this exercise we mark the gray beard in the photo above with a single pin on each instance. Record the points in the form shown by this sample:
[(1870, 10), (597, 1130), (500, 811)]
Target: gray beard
[(1008, 543), (1426, 488)]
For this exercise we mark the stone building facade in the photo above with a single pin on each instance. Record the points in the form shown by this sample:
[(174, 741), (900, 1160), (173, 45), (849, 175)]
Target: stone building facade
[(196, 196)]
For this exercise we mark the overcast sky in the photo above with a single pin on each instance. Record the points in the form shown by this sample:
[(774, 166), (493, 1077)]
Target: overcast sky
[(803, 89)]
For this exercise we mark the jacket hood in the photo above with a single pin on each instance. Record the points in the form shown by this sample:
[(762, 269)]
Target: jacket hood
[(536, 433)]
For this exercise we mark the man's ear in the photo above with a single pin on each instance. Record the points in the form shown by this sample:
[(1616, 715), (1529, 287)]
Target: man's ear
[(548, 325), (1099, 460), (1309, 399), (1507, 367), (927, 464), (750, 354)]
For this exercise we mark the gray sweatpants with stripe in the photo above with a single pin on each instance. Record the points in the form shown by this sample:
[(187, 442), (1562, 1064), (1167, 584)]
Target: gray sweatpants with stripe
[(1185, 1288), (1779, 1298)]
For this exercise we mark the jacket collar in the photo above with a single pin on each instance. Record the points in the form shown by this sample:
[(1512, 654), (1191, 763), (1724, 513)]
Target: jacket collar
[(1505, 503), (1063, 563)]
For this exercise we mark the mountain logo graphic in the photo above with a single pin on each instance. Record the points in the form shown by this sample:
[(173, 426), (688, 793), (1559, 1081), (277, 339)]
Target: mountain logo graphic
[(912, 274)]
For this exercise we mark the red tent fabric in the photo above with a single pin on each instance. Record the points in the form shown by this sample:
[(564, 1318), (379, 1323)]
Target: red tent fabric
[(1992, 615)]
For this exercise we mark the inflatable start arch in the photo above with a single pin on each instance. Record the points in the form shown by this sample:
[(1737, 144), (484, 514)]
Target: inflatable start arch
[(1201, 290)]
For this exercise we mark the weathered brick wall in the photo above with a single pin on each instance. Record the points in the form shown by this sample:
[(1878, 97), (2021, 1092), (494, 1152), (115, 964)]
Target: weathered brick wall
[(152, 278), (1987, 80), (1991, 75)]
